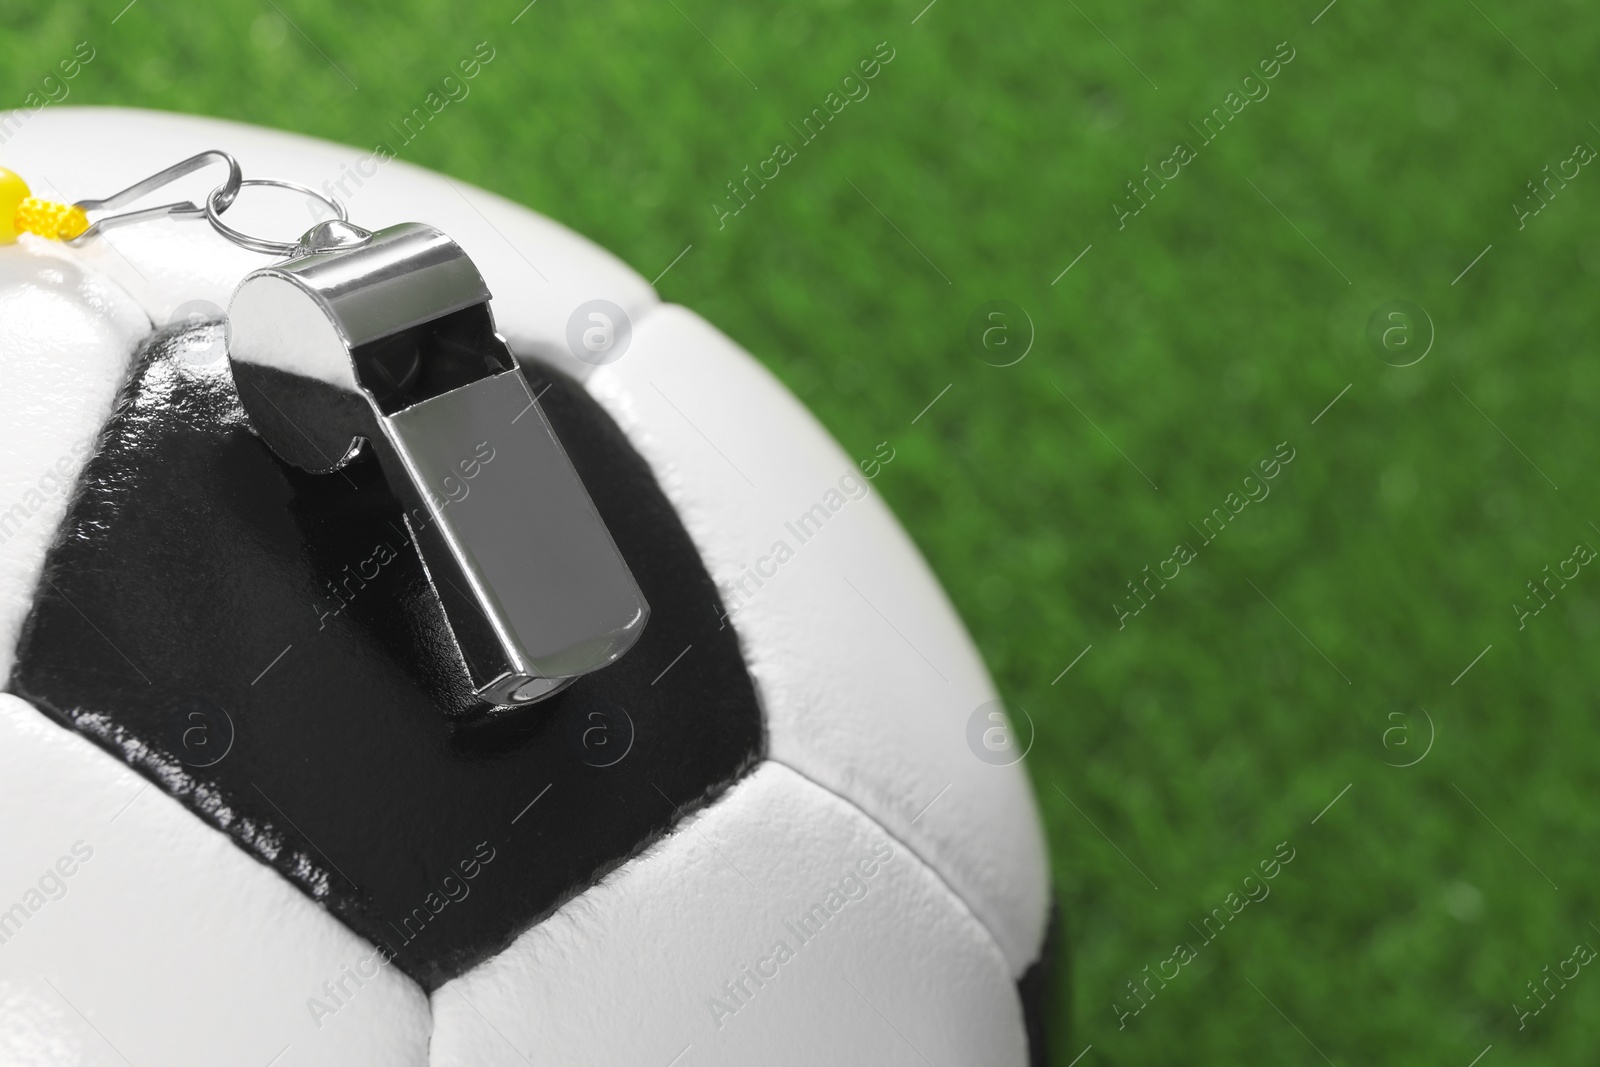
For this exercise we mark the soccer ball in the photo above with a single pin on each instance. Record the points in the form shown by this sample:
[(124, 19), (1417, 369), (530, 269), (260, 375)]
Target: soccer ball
[(787, 827)]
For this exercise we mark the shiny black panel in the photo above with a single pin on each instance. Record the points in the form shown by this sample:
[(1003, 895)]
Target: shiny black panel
[(264, 644)]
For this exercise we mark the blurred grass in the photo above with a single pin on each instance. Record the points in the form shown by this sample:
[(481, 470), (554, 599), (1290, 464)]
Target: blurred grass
[(1217, 324)]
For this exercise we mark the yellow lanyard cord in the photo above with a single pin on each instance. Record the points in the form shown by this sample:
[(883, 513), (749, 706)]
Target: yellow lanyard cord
[(22, 212)]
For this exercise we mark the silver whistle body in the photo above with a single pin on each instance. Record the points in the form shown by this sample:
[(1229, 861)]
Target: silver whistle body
[(386, 338)]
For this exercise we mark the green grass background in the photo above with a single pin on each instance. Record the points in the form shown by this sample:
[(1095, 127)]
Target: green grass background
[(1211, 328)]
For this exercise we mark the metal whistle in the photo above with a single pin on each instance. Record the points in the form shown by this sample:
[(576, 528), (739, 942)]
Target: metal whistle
[(387, 338)]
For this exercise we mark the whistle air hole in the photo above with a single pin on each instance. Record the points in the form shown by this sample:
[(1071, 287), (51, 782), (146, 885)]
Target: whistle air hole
[(390, 367), (431, 358)]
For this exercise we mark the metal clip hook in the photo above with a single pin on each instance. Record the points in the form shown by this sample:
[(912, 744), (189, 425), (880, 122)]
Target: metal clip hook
[(220, 198)]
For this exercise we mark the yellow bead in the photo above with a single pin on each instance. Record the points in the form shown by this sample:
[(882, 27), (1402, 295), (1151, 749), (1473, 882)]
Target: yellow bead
[(73, 222), (13, 191), (47, 218)]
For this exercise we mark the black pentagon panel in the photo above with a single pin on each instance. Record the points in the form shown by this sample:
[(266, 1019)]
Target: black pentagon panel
[(264, 644)]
